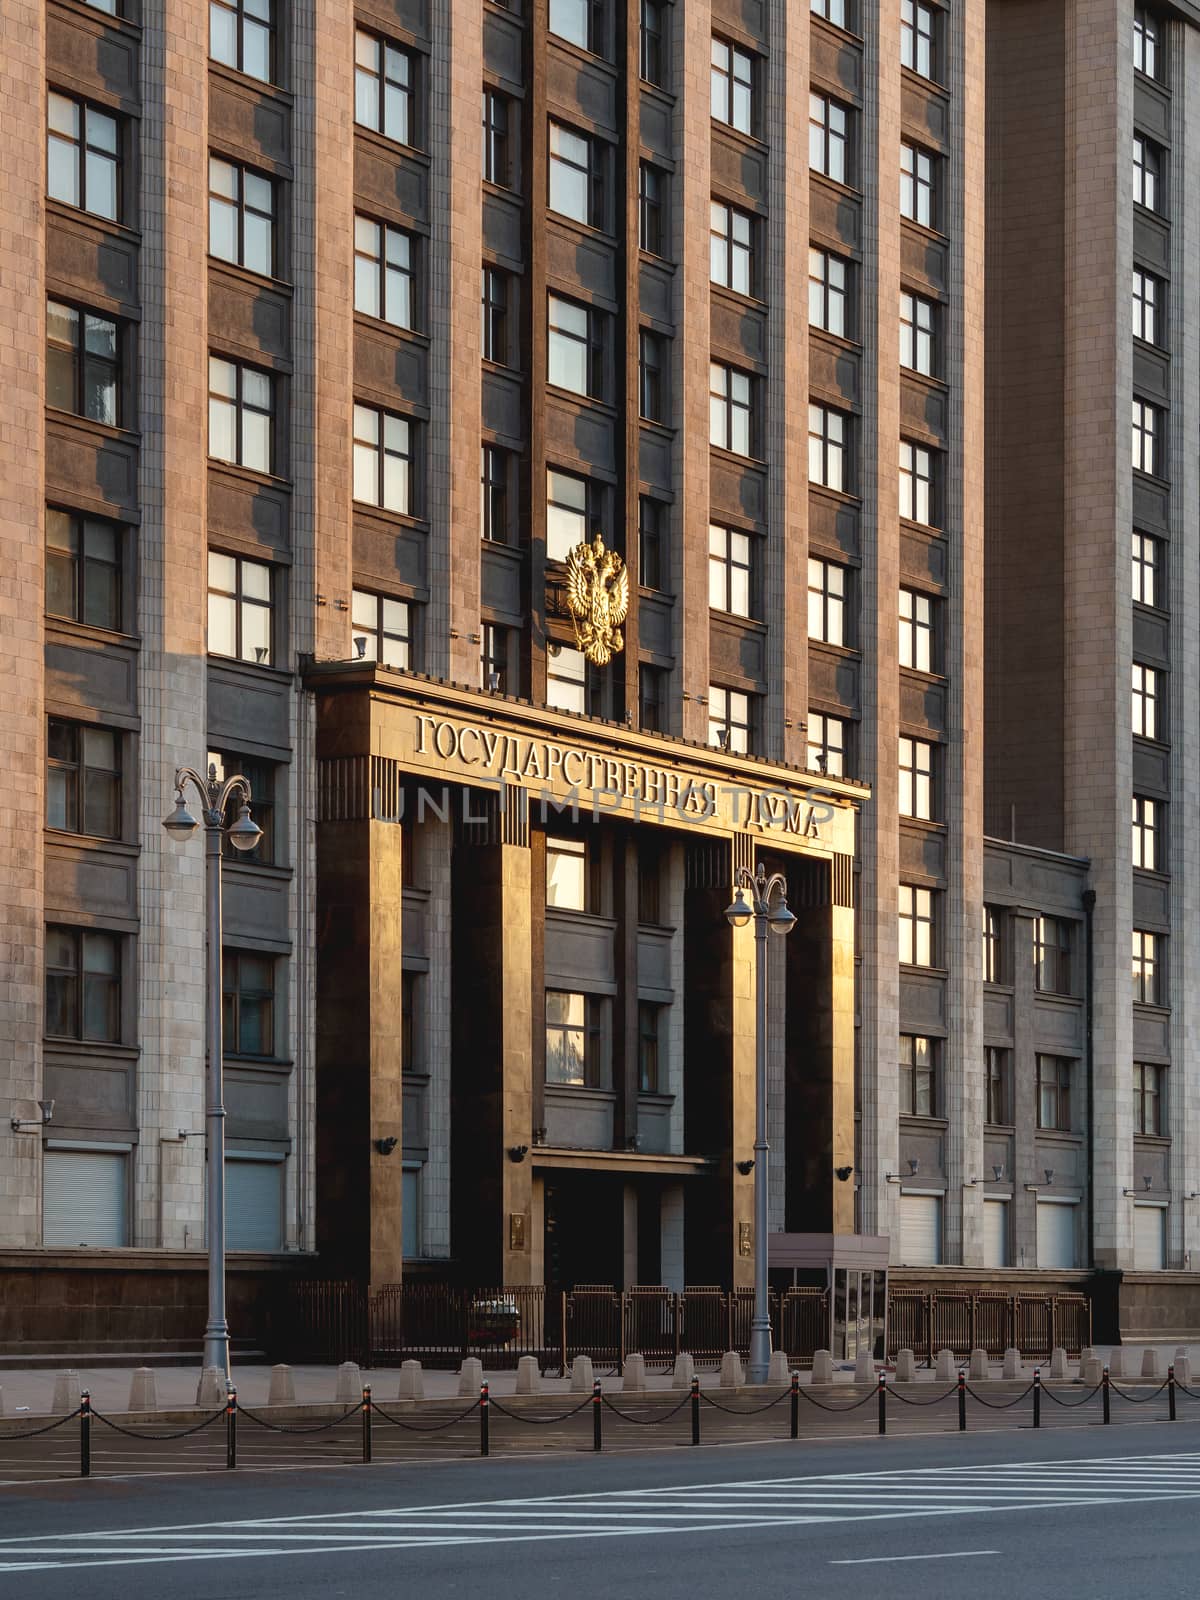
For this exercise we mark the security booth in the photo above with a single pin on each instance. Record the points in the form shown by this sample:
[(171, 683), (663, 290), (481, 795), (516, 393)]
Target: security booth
[(852, 1269)]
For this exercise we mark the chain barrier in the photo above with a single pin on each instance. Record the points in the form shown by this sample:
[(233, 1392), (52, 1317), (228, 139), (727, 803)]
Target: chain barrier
[(283, 1427), (520, 1416), (998, 1405), (745, 1411), (33, 1433), (416, 1427), (1070, 1405), (1192, 1394), (135, 1433), (647, 1422), (804, 1394), (907, 1399), (1136, 1399)]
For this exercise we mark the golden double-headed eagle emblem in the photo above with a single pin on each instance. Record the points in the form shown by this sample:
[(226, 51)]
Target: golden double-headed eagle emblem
[(598, 599)]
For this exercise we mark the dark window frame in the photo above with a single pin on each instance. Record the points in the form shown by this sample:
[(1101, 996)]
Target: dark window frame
[(592, 171), (725, 246), (494, 307), (652, 539), (829, 443), (495, 493), (1149, 1084), (740, 73), (67, 764), (242, 602), (997, 1070), (1052, 1097), (73, 566), (242, 209), (384, 271), (403, 87), (382, 630), (653, 367), (87, 368), (237, 995), (1148, 967), (497, 148), (919, 179), (72, 991), (590, 1035), (826, 754), (383, 452), (739, 733), (262, 776), (918, 1065), (86, 150), (831, 138), (653, 186), (1053, 955), (733, 408), (724, 565), (918, 911), (918, 631), (825, 294), (243, 16), (240, 406), (653, 39)]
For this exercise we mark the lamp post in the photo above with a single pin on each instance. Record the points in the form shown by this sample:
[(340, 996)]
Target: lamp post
[(243, 834), (779, 919)]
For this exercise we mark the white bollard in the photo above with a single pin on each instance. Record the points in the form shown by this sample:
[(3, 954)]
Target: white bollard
[(283, 1390), (633, 1374), (1116, 1362), (779, 1371), (1183, 1372), (412, 1381), (1150, 1367), (906, 1367), (470, 1377), (822, 1367), (143, 1393), (864, 1367), (1013, 1366), (582, 1376), (66, 1393), (210, 1391), (944, 1369), (980, 1367), (349, 1384), (529, 1376), (1058, 1363), (685, 1371), (1091, 1369), (732, 1373)]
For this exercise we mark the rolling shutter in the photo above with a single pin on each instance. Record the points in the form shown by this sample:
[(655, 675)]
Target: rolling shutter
[(920, 1230), (253, 1204), (85, 1197), (1149, 1244), (995, 1233), (1055, 1234)]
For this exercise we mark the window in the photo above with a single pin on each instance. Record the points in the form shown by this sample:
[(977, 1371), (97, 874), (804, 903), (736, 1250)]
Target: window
[(729, 570), (260, 775), (566, 678), (83, 778), (995, 945), (574, 347), (652, 42), (998, 1066), (828, 137), (384, 272), (731, 248), (649, 885), (578, 22), (567, 874), (494, 672), (916, 483), (652, 188), (240, 424), (652, 518), (83, 156), (1147, 172), (1145, 42), (826, 744), (1148, 439), (651, 376), (917, 46), (83, 984), (731, 408), (575, 184), (826, 601), (1149, 297), (1051, 955), (573, 1046), (494, 304), (652, 698), (732, 86), (241, 216), (83, 368), (239, 608), (248, 1022), (650, 1041), (1146, 567), (109, 7), (828, 291), (917, 198), (1147, 968), (917, 319), (834, 11), (1148, 1083), (83, 569), (1145, 699), (497, 166), (1147, 833), (567, 510), (729, 720), (240, 35), (383, 467), (918, 1077), (1054, 1092), (916, 631), (384, 88), (916, 778), (916, 926), (494, 474), (827, 447), (382, 628)]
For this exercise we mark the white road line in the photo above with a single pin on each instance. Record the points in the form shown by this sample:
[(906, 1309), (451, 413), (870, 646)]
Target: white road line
[(934, 1555)]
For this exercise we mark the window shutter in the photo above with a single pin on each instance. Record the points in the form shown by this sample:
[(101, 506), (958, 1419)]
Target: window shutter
[(253, 1204), (995, 1233), (85, 1198), (920, 1230)]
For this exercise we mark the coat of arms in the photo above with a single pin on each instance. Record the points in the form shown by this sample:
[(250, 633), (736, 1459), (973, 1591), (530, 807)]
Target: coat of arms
[(598, 599)]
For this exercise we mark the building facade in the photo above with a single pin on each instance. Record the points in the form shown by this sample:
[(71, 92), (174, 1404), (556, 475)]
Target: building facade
[(331, 334)]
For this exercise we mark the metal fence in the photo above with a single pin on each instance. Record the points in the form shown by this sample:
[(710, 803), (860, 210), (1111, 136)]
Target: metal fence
[(926, 1321)]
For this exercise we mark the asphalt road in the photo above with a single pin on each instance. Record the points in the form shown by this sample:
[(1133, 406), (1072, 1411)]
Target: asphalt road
[(1087, 1511)]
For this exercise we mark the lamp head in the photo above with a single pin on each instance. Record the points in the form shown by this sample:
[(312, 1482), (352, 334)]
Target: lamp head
[(998, 1172), (737, 915), (1048, 1174), (779, 918), (245, 833), (914, 1165), (181, 822), (46, 1107), (1147, 1181)]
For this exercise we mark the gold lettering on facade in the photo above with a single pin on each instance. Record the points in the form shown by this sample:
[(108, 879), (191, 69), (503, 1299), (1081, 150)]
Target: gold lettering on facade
[(598, 599)]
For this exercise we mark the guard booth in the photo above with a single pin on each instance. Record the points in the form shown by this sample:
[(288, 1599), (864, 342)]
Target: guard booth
[(852, 1268)]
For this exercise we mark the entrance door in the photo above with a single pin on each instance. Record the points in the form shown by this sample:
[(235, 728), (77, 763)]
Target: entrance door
[(584, 1223)]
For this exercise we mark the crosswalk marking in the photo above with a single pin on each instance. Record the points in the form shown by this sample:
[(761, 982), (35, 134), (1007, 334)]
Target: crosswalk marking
[(623, 1513)]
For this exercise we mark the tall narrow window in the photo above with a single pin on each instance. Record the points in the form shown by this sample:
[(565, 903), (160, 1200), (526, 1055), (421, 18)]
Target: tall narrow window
[(918, 1078), (998, 1065), (826, 601), (83, 778), (652, 188), (239, 608), (917, 318), (240, 415), (83, 156), (496, 153), (566, 513), (382, 628), (1054, 1092), (731, 248), (83, 984), (729, 720), (573, 1039), (828, 292), (566, 678), (827, 447), (241, 216), (249, 1003), (651, 376), (567, 874), (382, 459), (917, 193), (1145, 42), (1149, 294), (731, 408), (1052, 947), (652, 42), (241, 36), (494, 307), (650, 1027), (916, 483), (83, 366), (916, 926), (652, 520), (729, 570), (1147, 967), (652, 698), (1148, 1119), (1148, 435), (918, 38), (1147, 172), (826, 740), (732, 86), (829, 137), (574, 350), (495, 659), (83, 569), (575, 188), (1147, 833), (1146, 567), (916, 631), (384, 91), (1145, 701), (995, 945), (916, 778), (494, 475), (384, 272)]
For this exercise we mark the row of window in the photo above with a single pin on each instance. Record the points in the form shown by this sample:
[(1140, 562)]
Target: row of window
[(829, 615)]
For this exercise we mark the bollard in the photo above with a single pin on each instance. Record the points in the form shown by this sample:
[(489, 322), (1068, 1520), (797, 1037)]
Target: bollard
[(795, 1405), (685, 1371), (231, 1429), (210, 1390), (1058, 1363), (962, 1402), (1104, 1394), (1171, 1393), (883, 1402), (822, 1367), (412, 1379), (349, 1384), (733, 1375), (597, 1413), (582, 1375), (66, 1393), (85, 1435), (906, 1367), (143, 1395), (633, 1374), (1012, 1363), (1116, 1363), (777, 1370), (282, 1391), (1089, 1370), (470, 1376), (979, 1369), (864, 1366), (1183, 1369), (1150, 1368), (366, 1422), (945, 1370), (483, 1419), (1037, 1397), (695, 1410)]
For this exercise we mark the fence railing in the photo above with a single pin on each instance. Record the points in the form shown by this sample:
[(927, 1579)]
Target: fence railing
[(926, 1321)]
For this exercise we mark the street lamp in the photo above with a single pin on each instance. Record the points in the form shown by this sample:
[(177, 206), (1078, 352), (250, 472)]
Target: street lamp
[(773, 914), (243, 834)]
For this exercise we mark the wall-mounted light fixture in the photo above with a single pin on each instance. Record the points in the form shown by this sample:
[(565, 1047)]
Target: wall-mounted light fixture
[(1147, 1184), (914, 1165), (385, 1146), (517, 1153), (745, 1168), (31, 1124), (842, 1173)]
